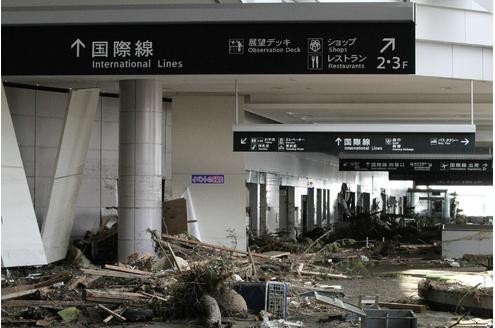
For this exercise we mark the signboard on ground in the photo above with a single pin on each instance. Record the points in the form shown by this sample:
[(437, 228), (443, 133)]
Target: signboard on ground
[(210, 48), (373, 139)]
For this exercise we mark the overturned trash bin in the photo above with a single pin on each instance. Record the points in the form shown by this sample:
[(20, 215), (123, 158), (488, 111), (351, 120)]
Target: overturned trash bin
[(268, 296), (389, 319)]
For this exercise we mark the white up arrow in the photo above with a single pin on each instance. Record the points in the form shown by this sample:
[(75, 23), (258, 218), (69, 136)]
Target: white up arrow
[(390, 42), (78, 44), (243, 141), (465, 141), (338, 141)]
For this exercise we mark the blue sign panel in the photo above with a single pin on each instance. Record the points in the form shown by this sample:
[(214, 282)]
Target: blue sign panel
[(207, 179)]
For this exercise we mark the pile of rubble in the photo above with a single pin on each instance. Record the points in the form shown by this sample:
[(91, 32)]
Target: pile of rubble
[(191, 280)]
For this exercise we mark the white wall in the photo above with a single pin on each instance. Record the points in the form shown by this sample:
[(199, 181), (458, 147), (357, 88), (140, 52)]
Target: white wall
[(454, 39), (38, 121), (202, 143)]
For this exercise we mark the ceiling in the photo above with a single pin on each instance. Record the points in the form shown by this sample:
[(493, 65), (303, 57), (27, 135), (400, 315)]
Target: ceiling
[(326, 98)]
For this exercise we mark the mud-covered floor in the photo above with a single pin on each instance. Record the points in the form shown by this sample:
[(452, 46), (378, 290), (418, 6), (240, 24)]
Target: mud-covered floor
[(391, 283)]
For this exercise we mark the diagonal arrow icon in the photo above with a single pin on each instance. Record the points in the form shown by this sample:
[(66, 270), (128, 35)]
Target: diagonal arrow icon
[(390, 43)]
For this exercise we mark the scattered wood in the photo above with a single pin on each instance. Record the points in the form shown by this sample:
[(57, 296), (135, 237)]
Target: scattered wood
[(119, 310), (174, 258), (18, 321), (53, 304), (418, 308), (211, 246), (115, 274), (154, 296), (127, 270), (323, 274), (299, 269), (459, 320), (173, 262), (44, 322), (18, 294), (112, 313), (297, 259), (85, 281), (199, 263), (276, 254), (108, 296), (61, 277), (253, 265)]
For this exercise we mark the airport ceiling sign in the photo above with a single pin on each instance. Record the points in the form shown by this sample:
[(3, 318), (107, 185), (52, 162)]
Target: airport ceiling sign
[(399, 165), (210, 48), (446, 178), (347, 138)]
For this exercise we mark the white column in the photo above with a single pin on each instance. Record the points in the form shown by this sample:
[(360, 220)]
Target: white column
[(140, 165), (59, 217)]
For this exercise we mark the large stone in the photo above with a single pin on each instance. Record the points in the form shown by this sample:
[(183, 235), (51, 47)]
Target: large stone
[(233, 303), (213, 317)]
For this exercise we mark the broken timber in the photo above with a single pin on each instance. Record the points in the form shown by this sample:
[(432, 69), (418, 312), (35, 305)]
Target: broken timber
[(115, 274), (211, 246), (126, 270), (108, 296)]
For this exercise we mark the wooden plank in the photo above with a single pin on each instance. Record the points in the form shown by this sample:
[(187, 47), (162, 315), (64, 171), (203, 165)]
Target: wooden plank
[(418, 308), (112, 313), (211, 246), (154, 296), (85, 281), (276, 254), (323, 274), (43, 303), (64, 276), (175, 216), (18, 294), (127, 270), (119, 310), (108, 296), (115, 274)]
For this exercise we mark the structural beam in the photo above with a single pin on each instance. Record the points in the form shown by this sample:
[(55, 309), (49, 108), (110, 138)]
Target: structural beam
[(59, 218), (21, 239)]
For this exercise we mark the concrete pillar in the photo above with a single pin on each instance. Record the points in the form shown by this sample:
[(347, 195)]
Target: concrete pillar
[(326, 206), (254, 209), (263, 209), (140, 167), (291, 212), (311, 209), (272, 203), (319, 208)]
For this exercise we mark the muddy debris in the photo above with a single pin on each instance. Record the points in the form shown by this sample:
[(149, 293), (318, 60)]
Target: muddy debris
[(190, 280)]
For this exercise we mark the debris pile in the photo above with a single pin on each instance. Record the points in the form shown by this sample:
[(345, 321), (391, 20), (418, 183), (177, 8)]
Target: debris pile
[(191, 280)]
